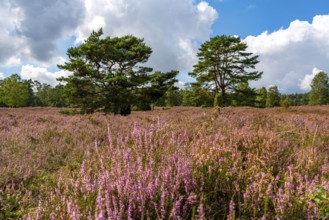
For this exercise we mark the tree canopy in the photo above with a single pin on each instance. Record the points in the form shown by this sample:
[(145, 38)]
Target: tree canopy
[(319, 94), (261, 97), (51, 96), (15, 92), (244, 95), (224, 62), (273, 97), (108, 75)]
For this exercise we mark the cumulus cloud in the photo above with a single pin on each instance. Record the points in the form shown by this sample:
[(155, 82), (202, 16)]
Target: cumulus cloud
[(172, 28), (2, 75), (305, 84), (32, 32), (42, 74), (180, 84), (10, 44), (287, 56), (43, 23)]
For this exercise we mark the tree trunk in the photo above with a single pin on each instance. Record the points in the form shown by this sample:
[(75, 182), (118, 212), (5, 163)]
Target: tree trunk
[(223, 104)]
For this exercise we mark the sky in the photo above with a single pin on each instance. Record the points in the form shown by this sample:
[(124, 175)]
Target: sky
[(291, 37)]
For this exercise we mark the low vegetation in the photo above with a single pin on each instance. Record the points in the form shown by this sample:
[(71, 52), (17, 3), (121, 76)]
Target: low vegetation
[(178, 163)]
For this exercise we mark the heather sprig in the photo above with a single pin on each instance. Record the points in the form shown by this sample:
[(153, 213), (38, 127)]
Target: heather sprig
[(181, 163)]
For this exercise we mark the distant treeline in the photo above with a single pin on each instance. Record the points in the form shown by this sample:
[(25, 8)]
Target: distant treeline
[(16, 92), (195, 95)]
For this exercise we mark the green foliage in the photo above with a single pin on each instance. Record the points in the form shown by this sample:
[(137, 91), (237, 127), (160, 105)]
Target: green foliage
[(296, 99), (49, 96), (285, 103), (218, 100), (106, 74), (319, 94), (186, 97), (261, 97), (161, 84), (321, 198), (32, 87), (142, 106), (224, 63), (173, 97), (201, 95), (244, 95), (10, 202), (273, 97), (69, 112), (15, 92)]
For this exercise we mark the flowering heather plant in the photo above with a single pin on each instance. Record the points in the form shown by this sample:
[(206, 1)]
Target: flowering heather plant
[(180, 163)]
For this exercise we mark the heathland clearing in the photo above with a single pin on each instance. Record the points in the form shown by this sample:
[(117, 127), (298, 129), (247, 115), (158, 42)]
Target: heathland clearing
[(182, 162)]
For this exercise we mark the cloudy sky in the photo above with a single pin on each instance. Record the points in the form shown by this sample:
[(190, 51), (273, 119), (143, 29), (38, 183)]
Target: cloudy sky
[(291, 37)]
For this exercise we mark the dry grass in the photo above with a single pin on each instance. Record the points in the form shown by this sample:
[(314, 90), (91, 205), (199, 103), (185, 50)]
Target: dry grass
[(179, 163)]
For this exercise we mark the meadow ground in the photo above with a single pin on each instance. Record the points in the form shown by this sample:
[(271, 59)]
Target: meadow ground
[(179, 163)]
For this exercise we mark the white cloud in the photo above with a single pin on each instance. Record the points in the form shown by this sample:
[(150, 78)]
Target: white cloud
[(305, 84), (288, 55), (180, 84), (172, 28), (42, 74), (13, 61), (32, 33), (2, 75), (42, 25), (206, 13), (96, 23), (10, 44)]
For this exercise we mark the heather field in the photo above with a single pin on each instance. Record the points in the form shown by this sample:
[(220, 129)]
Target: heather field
[(178, 163)]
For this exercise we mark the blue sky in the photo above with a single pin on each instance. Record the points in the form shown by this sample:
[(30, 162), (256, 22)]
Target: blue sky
[(291, 36), (252, 17)]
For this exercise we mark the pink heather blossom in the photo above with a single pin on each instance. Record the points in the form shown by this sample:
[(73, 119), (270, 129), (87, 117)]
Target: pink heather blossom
[(164, 164)]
